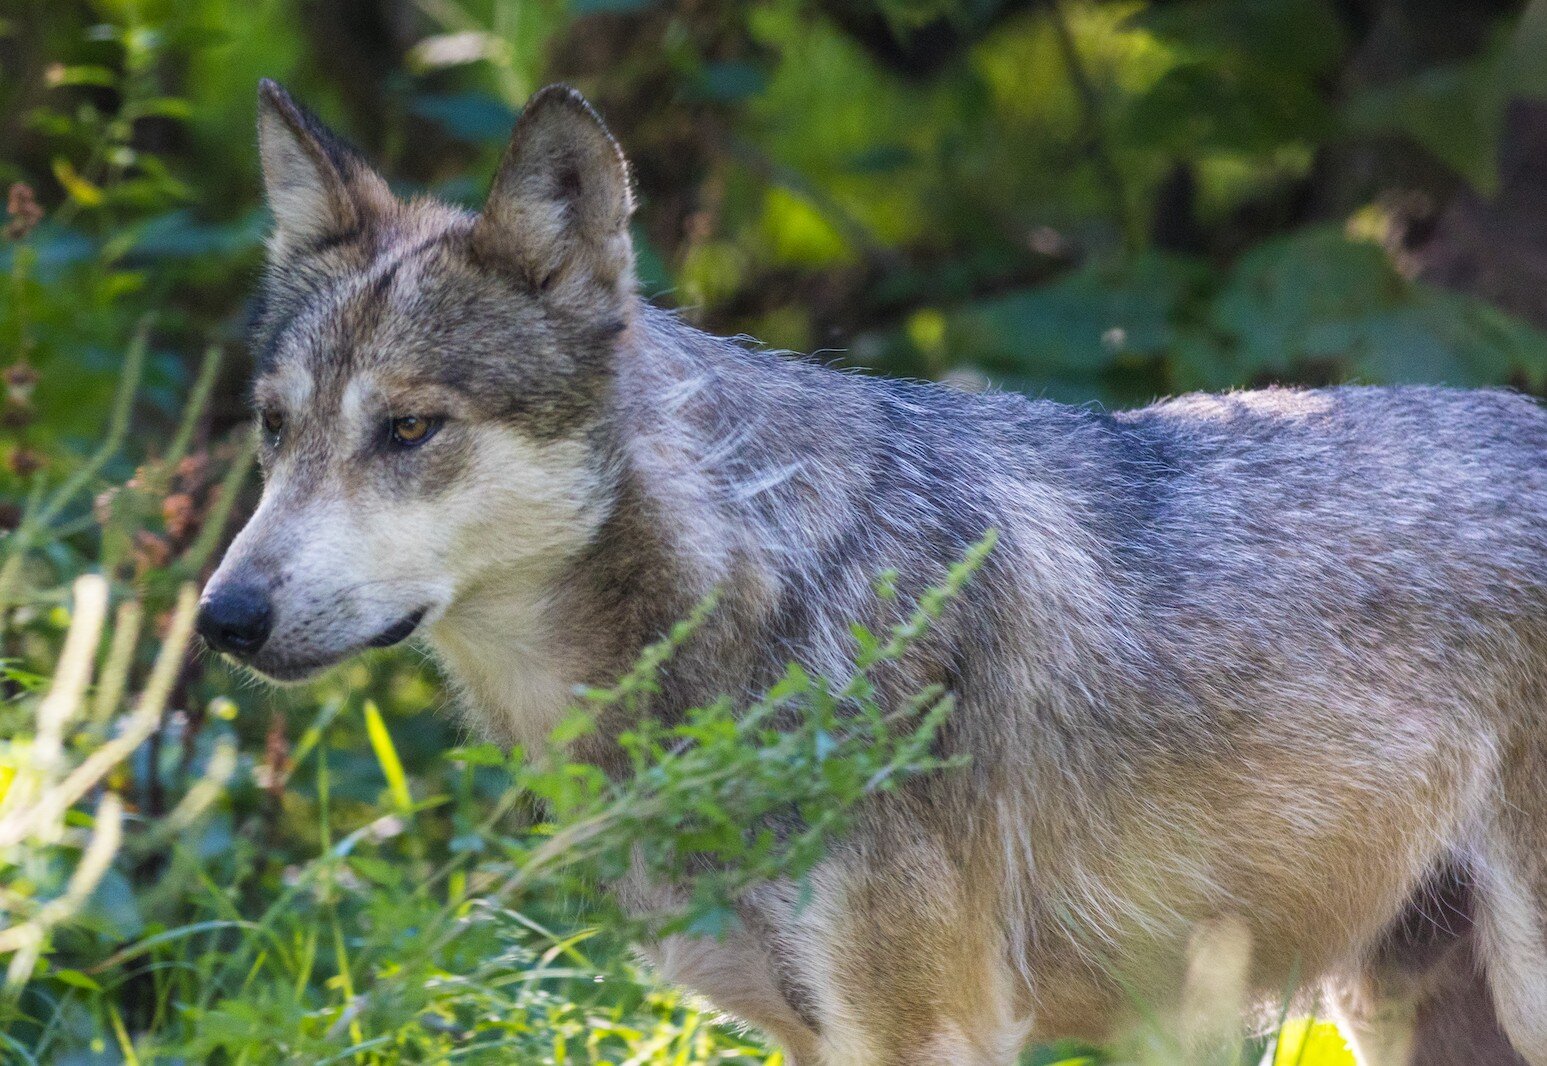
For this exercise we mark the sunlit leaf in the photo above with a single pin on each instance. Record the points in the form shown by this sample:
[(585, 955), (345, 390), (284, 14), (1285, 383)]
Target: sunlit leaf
[(81, 190), (1311, 1042), (80, 74), (453, 49)]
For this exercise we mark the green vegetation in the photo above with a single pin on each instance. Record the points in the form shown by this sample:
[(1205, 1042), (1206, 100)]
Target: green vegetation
[(1089, 199)]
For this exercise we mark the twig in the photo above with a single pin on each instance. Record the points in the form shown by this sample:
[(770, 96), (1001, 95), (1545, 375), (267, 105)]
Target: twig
[(120, 657), (198, 399), (1093, 134), (26, 939)]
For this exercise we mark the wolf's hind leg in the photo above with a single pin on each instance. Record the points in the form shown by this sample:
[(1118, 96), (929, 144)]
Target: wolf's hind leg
[(1511, 897), (1381, 1033), (1451, 1024), (1456, 1025), (1511, 924), (1422, 999)]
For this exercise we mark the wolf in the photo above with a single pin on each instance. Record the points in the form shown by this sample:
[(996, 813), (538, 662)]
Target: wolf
[(1275, 658)]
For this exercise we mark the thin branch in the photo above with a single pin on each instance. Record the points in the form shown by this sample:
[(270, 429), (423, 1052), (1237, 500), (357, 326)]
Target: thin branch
[(1093, 133)]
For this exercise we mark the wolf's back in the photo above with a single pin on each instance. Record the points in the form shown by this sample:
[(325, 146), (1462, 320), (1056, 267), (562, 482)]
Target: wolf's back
[(1286, 544), (1434, 482)]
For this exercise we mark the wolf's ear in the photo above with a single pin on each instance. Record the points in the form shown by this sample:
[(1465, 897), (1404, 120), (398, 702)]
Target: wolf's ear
[(559, 207), (317, 186)]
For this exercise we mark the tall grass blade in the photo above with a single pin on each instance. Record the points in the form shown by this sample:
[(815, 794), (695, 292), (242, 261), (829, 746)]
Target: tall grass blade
[(387, 758)]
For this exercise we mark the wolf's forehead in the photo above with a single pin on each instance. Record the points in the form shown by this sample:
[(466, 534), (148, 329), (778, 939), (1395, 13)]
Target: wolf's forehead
[(329, 326)]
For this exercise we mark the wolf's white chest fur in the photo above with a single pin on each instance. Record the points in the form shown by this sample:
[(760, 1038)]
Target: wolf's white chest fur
[(498, 655)]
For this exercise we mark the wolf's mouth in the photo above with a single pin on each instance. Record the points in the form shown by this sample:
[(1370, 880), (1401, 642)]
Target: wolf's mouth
[(291, 670), (398, 631)]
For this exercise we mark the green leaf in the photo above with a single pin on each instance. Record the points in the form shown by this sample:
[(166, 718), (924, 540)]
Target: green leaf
[(1086, 321), (1301, 38), (1317, 299), (572, 728), (76, 979), (1447, 338), (114, 906), (1200, 107), (478, 755), (607, 7), (466, 116), (180, 235), (1454, 112), (81, 190), (732, 81), (164, 107), (1524, 69), (1300, 298), (82, 74)]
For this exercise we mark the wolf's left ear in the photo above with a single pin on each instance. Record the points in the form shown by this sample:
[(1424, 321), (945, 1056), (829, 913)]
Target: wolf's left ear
[(559, 207), (318, 187)]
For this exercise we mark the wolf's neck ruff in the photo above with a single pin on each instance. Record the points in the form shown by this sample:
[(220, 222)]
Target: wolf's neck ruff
[(786, 488)]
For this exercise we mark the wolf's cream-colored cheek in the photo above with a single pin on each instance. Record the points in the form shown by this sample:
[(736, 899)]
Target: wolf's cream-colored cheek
[(520, 503), (340, 548), (515, 518)]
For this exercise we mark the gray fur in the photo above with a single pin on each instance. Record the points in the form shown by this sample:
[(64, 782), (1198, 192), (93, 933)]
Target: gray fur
[(1278, 657)]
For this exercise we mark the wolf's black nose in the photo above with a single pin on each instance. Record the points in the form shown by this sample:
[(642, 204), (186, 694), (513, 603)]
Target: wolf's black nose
[(236, 618)]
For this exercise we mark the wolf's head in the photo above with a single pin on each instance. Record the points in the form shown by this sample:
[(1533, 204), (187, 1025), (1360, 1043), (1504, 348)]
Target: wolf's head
[(431, 386)]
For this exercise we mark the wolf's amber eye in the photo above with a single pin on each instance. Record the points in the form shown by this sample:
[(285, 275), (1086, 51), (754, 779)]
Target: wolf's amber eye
[(413, 429), (273, 422)]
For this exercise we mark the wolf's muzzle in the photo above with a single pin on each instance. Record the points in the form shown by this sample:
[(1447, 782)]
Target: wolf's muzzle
[(236, 619)]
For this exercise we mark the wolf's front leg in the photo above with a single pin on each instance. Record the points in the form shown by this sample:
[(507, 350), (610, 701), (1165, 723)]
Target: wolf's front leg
[(912, 967), (893, 959)]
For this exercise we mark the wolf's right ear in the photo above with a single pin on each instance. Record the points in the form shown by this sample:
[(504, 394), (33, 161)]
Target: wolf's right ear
[(559, 207), (318, 187)]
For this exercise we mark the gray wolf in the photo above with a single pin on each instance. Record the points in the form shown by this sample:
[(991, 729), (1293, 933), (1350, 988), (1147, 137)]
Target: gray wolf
[(1277, 657)]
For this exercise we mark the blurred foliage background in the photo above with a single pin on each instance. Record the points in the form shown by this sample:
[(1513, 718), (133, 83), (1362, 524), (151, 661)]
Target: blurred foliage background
[(1092, 200)]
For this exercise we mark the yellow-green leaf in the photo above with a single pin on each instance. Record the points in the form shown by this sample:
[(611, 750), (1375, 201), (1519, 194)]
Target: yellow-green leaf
[(1311, 1042), (386, 755), (81, 191)]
